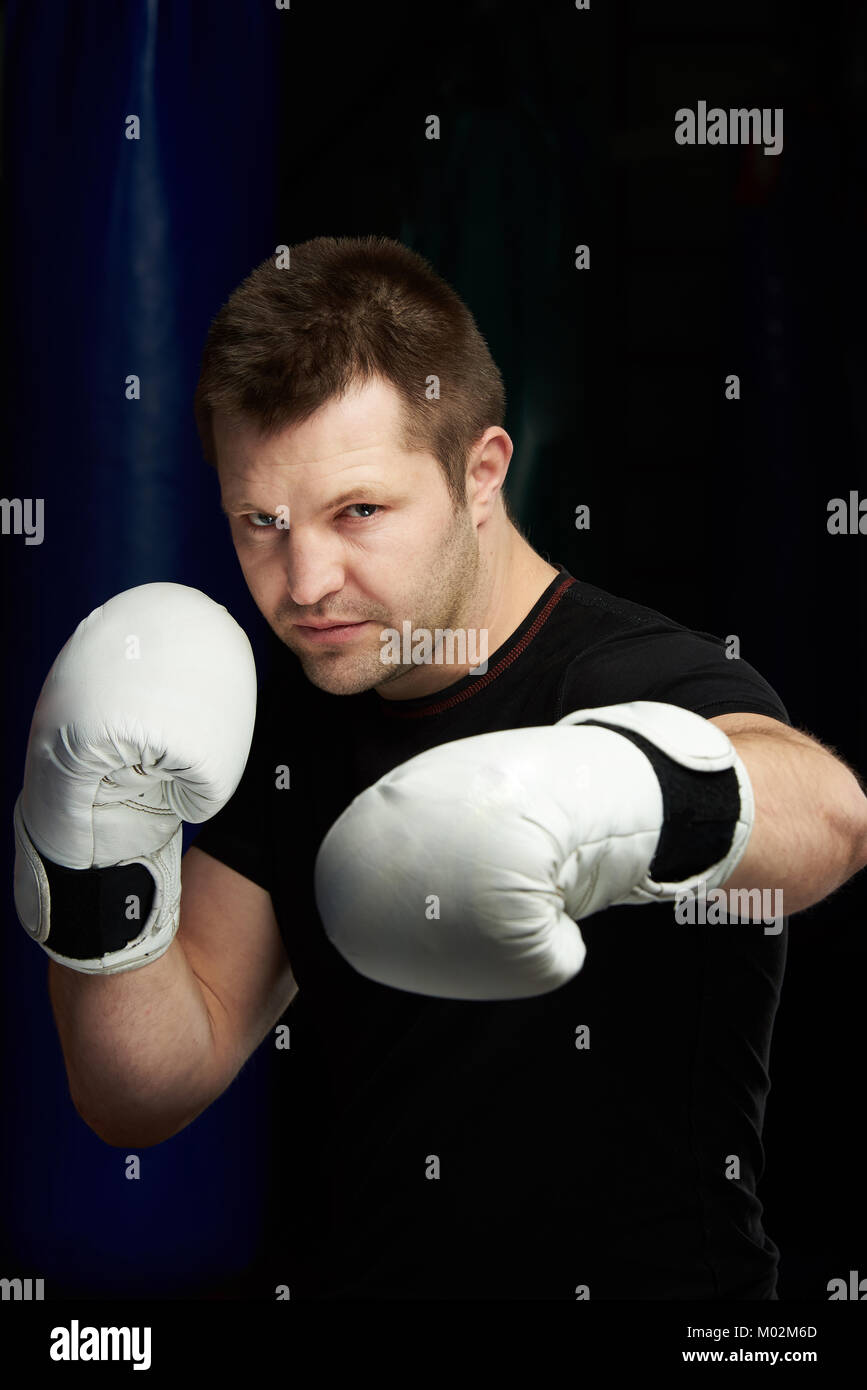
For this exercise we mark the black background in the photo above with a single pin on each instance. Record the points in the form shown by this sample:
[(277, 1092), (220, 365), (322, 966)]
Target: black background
[(557, 129)]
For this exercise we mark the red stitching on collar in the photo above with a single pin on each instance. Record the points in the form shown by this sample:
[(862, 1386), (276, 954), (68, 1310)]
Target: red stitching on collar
[(505, 661)]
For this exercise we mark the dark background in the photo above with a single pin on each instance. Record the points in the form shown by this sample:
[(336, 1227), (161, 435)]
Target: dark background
[(262, 127)]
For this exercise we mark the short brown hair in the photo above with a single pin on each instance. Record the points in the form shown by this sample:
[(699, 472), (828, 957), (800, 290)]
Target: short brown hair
[(346, 310)]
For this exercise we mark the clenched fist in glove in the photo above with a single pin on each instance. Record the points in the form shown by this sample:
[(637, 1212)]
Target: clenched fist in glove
[(462, 872), (145, 720)]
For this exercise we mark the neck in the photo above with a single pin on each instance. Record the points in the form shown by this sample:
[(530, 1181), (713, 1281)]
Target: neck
[(518, 576)]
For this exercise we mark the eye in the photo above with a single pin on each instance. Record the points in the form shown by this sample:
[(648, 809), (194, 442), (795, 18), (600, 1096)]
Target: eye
[(372, 506), (260, 526)]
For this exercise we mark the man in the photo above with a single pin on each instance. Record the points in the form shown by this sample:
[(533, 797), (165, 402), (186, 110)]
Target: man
[(524, 1076)]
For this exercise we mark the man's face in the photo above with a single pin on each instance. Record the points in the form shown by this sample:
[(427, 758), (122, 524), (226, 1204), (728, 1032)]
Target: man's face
[(371, 540)]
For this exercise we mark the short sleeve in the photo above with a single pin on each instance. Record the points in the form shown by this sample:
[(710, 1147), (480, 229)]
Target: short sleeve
[(677, 666)]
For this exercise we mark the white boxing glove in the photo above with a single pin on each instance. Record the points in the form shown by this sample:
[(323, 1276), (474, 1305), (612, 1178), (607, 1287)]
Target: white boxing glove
[(462, 873), (145, 720)]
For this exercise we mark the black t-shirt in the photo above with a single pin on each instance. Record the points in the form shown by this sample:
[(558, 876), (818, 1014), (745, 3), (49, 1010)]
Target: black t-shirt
[(463, 1149)]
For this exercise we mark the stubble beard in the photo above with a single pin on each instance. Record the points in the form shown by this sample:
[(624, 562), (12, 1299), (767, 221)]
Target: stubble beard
[(443, 598)]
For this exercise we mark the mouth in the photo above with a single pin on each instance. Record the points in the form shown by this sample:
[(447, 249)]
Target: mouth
[(322, 633)]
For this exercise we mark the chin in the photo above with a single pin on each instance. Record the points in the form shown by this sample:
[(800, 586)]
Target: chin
[(335, 680)]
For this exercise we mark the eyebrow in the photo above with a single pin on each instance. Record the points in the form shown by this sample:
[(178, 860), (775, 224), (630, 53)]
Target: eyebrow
[(355, 494)]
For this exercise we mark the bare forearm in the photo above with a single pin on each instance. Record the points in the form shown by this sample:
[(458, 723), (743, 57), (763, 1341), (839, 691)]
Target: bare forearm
[(808, 837), (139, 1047)]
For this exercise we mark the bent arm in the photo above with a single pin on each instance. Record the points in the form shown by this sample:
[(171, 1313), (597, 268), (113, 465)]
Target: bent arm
[(148, 1050)]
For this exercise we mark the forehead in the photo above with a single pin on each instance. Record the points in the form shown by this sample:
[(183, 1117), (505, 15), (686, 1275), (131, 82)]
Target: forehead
[(367, 418)]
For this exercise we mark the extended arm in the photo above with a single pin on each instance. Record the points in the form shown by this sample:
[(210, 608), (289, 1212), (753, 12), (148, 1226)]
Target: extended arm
[(810, 829)]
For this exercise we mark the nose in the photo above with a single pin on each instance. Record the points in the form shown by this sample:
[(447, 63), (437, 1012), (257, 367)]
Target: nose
[(314, 567)]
